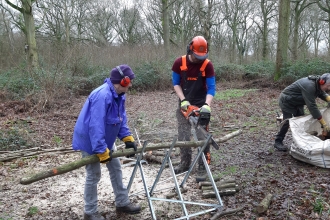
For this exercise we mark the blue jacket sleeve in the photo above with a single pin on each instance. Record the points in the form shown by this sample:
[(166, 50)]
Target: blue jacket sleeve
[(97, 123), (175, 78), (210, 83)]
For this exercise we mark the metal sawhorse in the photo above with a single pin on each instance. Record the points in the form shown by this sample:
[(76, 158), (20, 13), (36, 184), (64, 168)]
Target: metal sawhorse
[(181, 201)]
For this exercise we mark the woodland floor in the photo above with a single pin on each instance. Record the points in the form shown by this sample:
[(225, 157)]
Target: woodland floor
[(301, 190)]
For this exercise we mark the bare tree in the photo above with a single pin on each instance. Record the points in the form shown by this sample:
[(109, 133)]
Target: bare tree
[(325, 6), (129, 25), (239, 16), (298, 7), (282, 37), (26, 9), (268, 12)]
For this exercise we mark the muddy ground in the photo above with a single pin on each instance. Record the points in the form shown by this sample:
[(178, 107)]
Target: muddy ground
[(300, 190)]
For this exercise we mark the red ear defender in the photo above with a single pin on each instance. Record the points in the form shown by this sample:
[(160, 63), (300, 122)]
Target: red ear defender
[(321, 81), (125, 81)]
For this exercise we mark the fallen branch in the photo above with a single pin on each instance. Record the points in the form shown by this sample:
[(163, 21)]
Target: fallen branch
[(227, 212), (119, 153), (11, 155), (264, 204)]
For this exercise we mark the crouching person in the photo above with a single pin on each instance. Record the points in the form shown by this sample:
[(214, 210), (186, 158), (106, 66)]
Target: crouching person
[(102, 120)]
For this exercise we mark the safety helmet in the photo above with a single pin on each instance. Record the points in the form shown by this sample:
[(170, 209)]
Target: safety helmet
[(199, 47)]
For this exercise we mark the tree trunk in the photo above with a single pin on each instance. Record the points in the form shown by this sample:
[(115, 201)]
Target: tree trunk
[(282, 37), (166, 27), (32, 53), (123, 152)]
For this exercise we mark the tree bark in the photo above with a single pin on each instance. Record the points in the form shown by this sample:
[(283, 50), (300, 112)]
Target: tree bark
[(264, 204), (282, 37), (123, 152)]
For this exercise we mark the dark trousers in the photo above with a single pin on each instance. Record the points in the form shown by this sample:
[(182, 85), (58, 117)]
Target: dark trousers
[(285, 127), (184, 134)]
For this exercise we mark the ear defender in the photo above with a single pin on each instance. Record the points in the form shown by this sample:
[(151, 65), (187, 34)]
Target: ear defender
[(125, 81), (189, 47), (322, 81)]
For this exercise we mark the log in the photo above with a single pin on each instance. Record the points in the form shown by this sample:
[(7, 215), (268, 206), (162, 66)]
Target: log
[(171, 195), (207, 183), (153, 158), (119, 153), (223, 192), (264, 204), (220, 186), (227, 212)]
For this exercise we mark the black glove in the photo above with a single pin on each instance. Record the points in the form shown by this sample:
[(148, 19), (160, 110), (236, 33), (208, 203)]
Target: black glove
[(130, 144)]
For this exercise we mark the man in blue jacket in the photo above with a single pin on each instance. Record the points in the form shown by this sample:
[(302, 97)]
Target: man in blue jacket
[(102, 120)]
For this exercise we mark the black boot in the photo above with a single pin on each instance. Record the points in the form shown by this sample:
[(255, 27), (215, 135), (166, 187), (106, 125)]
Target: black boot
[(182, 167), (95, 216), (129, 209), (280, 146), (201, 173)]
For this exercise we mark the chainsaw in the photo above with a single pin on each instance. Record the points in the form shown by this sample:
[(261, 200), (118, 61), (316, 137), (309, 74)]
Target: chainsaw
[(199, 121)]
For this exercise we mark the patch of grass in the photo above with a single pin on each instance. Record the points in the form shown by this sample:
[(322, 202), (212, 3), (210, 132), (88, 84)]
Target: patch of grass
[(232, 93), (318, 205), (229, 170), (32, 210), (6, 218), (57, 140)]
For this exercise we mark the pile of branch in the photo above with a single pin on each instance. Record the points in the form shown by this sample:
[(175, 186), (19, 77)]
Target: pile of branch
[(225, 187), (159, 155), (11, 155)]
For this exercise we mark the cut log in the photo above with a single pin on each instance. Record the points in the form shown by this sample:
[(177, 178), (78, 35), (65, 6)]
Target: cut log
[(222, 192), (171, 195), (224, 181), (227, 212), (119, 153), (264, 204), (153, 158), (220, 186)]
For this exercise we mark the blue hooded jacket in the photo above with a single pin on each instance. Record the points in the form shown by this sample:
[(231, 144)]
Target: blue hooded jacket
[(101, 120)]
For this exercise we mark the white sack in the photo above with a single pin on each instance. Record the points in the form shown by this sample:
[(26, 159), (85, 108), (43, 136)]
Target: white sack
[(307, 147)]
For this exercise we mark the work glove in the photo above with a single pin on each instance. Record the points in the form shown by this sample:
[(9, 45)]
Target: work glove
[(205, 109), (325, 127), (106, 156), (129, 143), (184, 104), (327, 98)]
